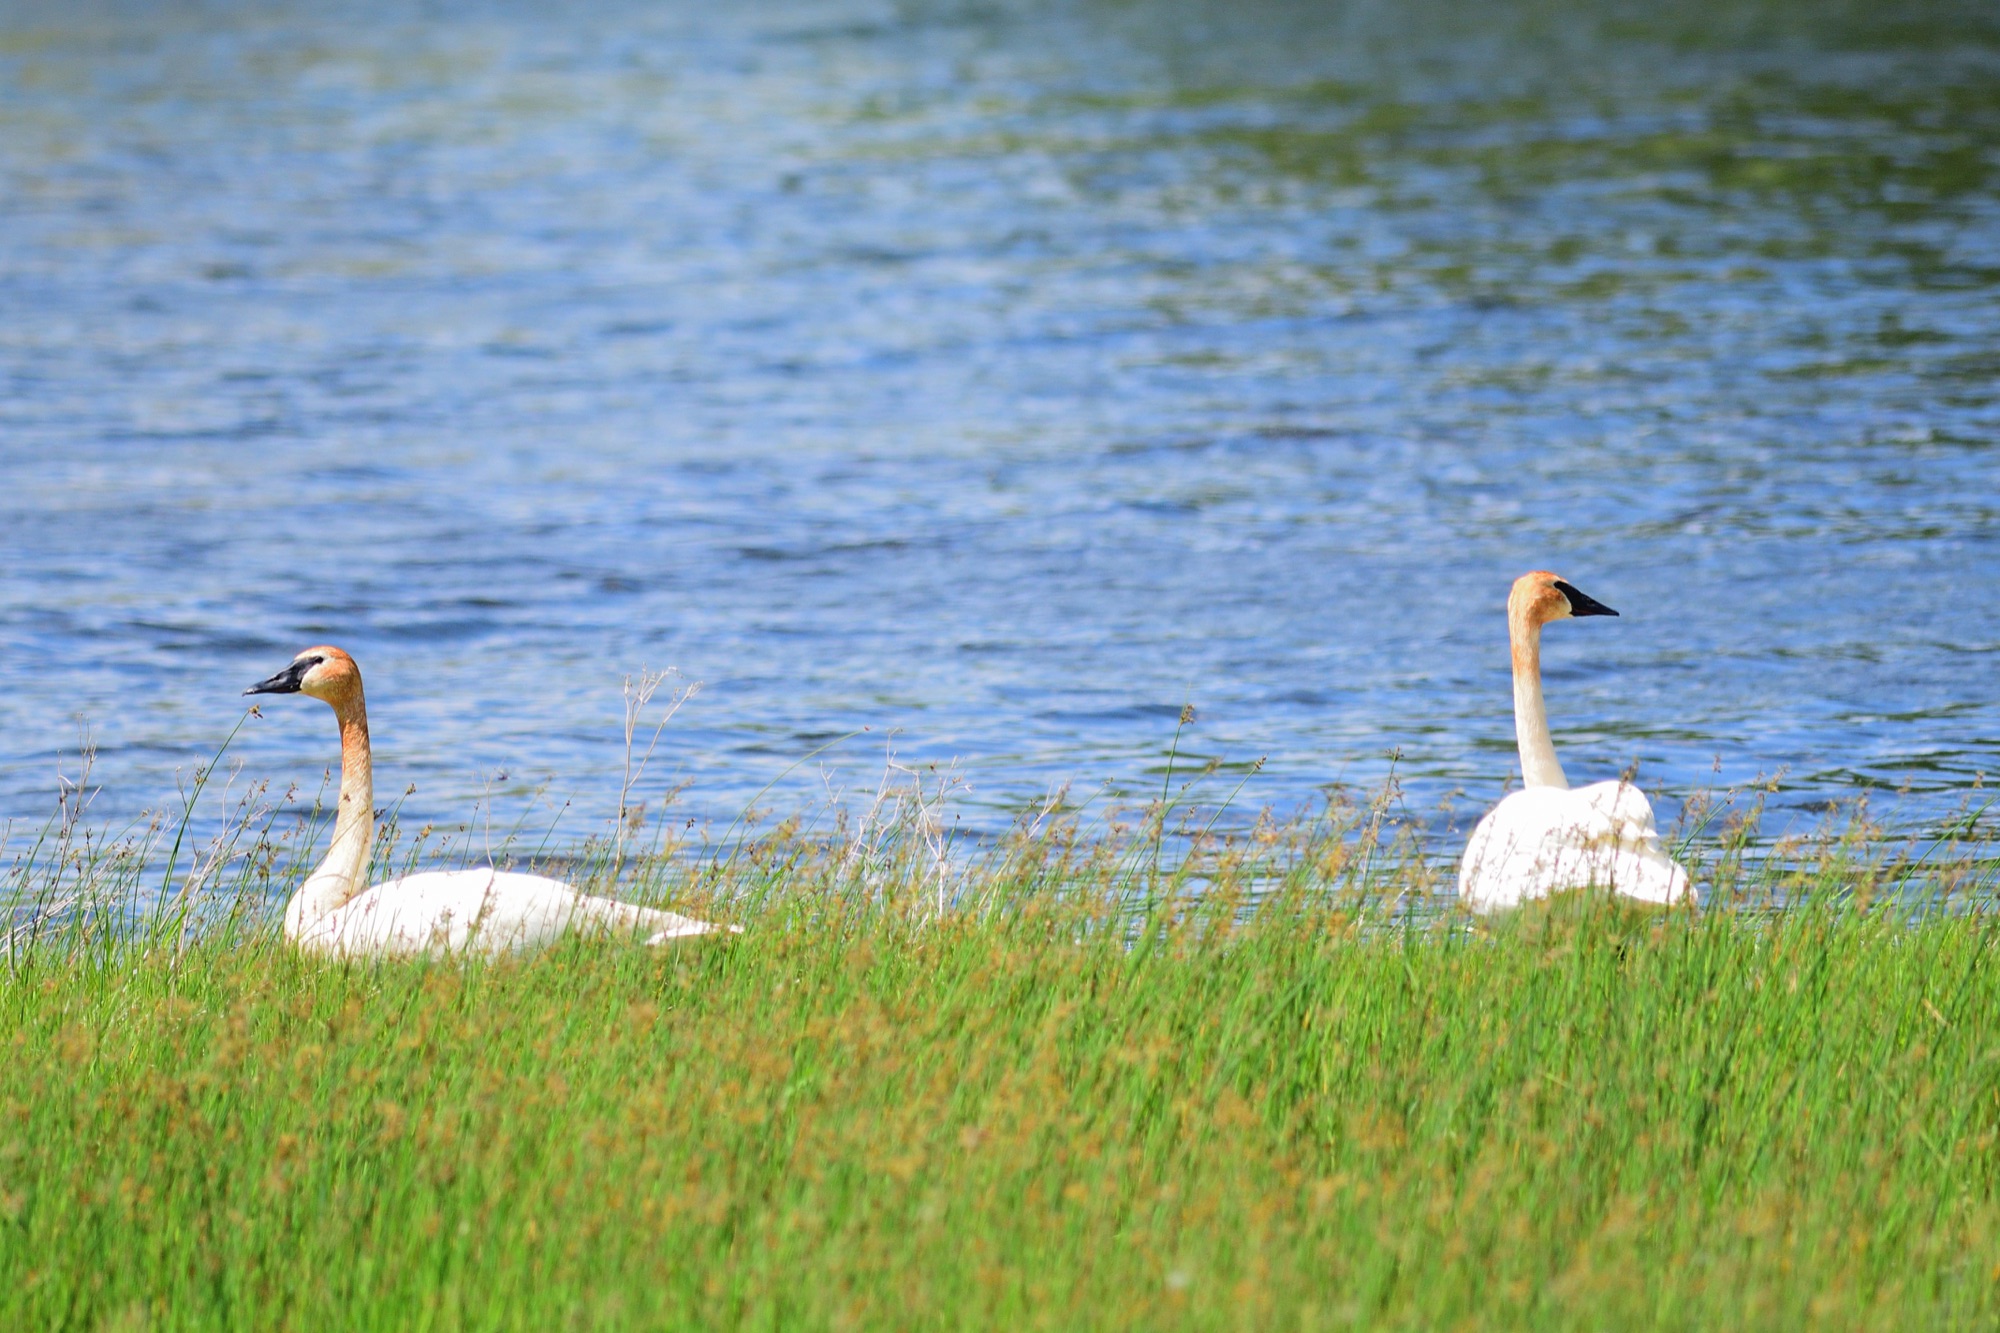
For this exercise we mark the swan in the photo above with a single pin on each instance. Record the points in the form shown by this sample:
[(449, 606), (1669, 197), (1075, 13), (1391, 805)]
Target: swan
[(1547, 837), (483, 911)]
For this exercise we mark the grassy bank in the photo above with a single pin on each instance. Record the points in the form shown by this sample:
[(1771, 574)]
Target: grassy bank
[(860, 1115), (1145, 1076)]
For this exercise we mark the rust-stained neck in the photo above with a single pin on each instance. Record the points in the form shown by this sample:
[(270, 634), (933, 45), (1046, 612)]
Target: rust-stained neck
[(343, 872), (1533, 602)]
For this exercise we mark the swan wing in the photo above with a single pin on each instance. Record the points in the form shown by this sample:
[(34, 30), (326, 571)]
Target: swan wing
[(480, 911), (1543, 840)]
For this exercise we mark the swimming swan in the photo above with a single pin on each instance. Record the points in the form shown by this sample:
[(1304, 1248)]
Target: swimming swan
[(482, 911), (1546, 837)]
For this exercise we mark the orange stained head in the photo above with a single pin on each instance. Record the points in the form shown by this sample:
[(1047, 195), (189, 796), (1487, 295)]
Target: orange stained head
[(324, 672), (1540, 596)]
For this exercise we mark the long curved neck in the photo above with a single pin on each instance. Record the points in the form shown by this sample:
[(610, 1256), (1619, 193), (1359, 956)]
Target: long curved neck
[(343, 872), (1531, 718)]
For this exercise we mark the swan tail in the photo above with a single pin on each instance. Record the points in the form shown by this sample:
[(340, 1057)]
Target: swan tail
[(666, 927)]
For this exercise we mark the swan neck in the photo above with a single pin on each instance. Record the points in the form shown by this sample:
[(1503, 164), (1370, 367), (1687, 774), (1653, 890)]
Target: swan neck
[(342, 873), (1531, 717)]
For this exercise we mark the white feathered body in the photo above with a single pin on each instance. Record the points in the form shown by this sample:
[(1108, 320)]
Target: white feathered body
[(489, 912), (1543, 840)]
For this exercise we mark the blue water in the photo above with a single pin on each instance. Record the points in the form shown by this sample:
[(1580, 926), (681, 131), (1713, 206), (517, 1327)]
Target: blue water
[(1001, 376)]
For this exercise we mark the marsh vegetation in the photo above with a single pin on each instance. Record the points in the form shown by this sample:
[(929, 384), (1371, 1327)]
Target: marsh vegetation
[(1079, 1077)]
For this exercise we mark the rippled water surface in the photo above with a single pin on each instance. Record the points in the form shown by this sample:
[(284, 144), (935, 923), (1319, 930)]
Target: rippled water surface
[(1003, 375)]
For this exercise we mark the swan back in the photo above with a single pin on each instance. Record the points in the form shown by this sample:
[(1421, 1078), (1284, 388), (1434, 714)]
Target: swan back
[(1544, 840), (486, 912)]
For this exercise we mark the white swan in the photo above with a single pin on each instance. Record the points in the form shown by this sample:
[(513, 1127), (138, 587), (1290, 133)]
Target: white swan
[(1546, 837), (474, 911)]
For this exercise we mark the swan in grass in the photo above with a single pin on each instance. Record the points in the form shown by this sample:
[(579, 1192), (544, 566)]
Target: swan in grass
[(1547, 837), (482, 911)]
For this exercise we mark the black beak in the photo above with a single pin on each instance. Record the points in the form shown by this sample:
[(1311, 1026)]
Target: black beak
[(1581, 605), (285, 682)]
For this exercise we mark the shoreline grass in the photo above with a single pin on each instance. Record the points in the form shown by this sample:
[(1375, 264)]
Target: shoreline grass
[(855, 1115), (1061, 1080)]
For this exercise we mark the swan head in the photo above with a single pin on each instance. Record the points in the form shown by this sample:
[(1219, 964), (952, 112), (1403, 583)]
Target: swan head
[(324, 672), (1540, 596)]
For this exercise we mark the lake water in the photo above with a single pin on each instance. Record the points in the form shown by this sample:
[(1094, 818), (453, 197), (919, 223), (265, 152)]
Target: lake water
[(1003, 376)]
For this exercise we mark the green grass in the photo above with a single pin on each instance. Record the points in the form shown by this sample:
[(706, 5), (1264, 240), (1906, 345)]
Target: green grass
[(1032, 1112), (1268, 1081)]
